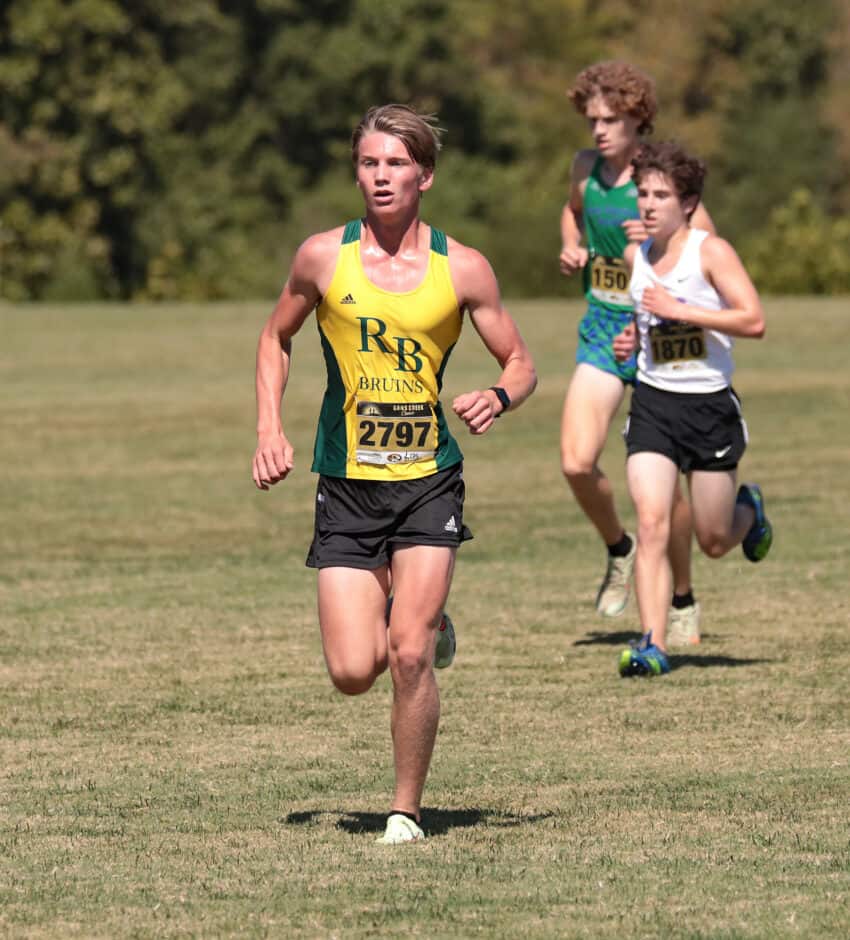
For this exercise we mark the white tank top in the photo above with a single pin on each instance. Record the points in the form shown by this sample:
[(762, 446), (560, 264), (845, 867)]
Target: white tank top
[(676, 356)]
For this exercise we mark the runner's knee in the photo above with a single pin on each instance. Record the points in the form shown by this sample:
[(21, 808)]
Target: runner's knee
[(713, 544), (576, 465), (353, 682), (654, 531), (409, 662)]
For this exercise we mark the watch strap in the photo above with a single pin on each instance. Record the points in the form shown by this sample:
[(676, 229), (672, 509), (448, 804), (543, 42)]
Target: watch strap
[(503, 397)]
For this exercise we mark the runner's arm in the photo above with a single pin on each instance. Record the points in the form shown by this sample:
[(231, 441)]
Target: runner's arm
[(273, 458), (573, 256), (478, 290)]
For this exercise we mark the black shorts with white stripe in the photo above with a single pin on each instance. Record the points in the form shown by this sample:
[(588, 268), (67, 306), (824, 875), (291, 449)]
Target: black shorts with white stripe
[(359, 523), (697, 431)]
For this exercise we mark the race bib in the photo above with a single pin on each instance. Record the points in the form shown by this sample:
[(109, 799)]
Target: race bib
[(609, 280), (395, 432), (676, 342)]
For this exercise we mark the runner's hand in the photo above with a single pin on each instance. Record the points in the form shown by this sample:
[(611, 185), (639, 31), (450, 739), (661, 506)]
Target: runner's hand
[(478, 410), (625, 343), (572, 260), (635, 231), (659, 301), (273, 459)]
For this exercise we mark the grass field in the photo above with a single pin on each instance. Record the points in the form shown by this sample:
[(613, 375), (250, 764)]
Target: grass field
[(174, 762)]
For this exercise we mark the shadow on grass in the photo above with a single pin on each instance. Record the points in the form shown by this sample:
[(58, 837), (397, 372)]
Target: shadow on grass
[(680, 661), (434, 821), (598, 638), (704, 662)]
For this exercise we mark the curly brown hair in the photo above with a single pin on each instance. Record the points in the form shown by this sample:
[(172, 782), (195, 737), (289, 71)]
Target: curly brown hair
[(626, 90)]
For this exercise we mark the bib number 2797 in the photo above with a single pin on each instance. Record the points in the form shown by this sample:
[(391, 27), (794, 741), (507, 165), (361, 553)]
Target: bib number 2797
[(395, 432)]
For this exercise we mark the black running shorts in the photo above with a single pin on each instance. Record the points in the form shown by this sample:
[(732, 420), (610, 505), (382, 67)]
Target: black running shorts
[(359, 522), (697, 431)]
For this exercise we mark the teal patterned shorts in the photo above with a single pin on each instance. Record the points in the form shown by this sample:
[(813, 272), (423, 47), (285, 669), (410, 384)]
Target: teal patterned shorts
[(596, 332)]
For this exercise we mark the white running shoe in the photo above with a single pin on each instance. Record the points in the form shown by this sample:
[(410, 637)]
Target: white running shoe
[(614, 591), (444, 653), (400, 829), (683, 626)]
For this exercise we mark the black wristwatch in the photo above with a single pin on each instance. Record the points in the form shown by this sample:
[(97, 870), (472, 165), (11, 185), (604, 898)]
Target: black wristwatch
[(503, 397)]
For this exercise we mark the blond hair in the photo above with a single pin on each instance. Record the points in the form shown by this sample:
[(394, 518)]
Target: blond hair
[(419, 133)]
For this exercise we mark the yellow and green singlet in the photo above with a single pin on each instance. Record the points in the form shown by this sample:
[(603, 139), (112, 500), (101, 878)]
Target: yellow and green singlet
[(385, 354)]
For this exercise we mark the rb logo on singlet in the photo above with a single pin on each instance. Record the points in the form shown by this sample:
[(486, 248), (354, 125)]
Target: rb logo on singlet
[(406, 348)]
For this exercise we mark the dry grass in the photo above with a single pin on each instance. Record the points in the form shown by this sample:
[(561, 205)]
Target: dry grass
[(175, 764)]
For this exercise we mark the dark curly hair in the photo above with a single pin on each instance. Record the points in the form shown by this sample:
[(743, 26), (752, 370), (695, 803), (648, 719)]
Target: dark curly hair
[(687, 173), (626, 90)]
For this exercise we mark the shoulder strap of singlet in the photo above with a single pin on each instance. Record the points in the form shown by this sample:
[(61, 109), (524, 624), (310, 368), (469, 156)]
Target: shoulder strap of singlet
[(596, 170), (352, 232), (439, 244), (692, 247)]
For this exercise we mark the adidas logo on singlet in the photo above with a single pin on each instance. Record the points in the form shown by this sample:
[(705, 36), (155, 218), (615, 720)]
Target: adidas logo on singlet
[(348, 299)]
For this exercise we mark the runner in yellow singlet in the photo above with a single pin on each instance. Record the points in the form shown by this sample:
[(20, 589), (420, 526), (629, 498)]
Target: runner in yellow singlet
[(385, 352), (390, 294)]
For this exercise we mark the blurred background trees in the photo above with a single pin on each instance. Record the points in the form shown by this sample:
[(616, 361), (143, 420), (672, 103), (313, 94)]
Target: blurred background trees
[(159, 150)]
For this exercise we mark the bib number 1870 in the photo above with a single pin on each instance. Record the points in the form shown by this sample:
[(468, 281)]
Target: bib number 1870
[(677, 342)]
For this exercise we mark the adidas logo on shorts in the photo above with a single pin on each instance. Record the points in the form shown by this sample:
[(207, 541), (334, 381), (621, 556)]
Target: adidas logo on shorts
[(450, 526)]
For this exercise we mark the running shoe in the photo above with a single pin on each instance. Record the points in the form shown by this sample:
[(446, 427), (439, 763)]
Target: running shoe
[(643, 659), (614, 591), (758, 540), (400, 829), (444, 654), (683, 626)]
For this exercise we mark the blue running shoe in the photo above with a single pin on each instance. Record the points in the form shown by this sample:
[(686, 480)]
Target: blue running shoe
[(758, 540), (643, 659)]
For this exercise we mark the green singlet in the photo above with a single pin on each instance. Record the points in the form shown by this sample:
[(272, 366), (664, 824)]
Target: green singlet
[(606, 278)]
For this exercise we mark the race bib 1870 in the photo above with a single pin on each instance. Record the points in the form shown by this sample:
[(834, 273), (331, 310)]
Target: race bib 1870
[(676, 342)]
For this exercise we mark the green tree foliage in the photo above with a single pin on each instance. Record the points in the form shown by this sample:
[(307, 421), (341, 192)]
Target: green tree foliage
[(774, 137), (163, 150), (801, 245), (92, 106)]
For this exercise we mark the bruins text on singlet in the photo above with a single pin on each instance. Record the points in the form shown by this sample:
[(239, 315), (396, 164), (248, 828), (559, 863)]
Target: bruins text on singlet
[(386, 353), (606, 278)]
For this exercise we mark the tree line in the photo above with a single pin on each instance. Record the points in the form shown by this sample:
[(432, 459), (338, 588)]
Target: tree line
[(159, 150)]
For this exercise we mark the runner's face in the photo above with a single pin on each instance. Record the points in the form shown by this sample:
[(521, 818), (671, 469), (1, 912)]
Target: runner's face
[(389, 178), (661, 210), (614, 135)]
